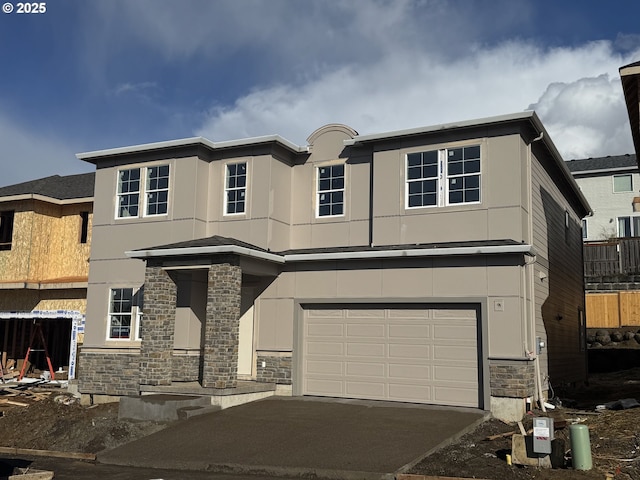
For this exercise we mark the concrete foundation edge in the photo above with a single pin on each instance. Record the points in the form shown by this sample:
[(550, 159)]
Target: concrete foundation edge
[(508, 409)]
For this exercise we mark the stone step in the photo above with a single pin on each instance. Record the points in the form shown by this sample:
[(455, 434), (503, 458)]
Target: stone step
[(185, 413)]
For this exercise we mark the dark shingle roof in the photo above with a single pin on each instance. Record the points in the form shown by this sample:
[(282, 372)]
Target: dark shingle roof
[(217, 241), (634, 64), (61, 188), (602, 163)]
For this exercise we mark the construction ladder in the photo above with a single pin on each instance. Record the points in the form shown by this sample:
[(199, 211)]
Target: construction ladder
[(37, 330)]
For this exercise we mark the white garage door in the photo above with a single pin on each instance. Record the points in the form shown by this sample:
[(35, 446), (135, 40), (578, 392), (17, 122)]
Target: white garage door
[(425, 355)]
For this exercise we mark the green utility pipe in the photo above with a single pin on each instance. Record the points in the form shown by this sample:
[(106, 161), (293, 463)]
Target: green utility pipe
[(580, 447)]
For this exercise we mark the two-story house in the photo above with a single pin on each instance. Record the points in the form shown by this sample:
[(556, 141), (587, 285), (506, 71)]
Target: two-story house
[(45, 238), (610, 184), (438, 265)]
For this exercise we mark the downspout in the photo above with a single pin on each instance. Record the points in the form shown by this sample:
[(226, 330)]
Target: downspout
[(533, 353)]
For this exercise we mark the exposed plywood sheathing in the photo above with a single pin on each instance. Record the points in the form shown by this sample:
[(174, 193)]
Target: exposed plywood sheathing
[(46, 243)]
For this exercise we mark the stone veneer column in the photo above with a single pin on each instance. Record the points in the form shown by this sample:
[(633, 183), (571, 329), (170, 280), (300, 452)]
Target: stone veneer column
[(220, 367), (158, 327)]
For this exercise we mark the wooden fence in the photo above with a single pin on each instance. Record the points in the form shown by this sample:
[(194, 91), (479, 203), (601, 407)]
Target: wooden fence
[(619, 256), (613, 310)]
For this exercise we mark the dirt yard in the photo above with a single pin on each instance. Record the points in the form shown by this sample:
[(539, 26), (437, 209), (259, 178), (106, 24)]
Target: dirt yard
[(52, 424)]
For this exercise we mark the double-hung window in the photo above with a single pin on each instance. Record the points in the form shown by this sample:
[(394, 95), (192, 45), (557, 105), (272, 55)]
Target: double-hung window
[(154, 189), (235, 188), (437, 178), (330, 192), (125, 313)]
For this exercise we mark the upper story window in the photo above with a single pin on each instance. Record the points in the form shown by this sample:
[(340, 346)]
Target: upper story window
[(584, 229), (622, 183), (125, 313), (84, 227), (330, 191), (6, 229), (235, 188), (154, 190), (443, 177)]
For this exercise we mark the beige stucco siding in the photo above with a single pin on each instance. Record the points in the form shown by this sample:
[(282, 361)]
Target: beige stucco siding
[(497, 216), (395, 281)]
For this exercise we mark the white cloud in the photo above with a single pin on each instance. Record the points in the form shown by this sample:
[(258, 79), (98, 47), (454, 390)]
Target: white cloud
[(576, 91), (588, 117)]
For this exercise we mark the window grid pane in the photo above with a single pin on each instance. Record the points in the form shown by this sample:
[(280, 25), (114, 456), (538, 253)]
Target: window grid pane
[(157, 190), (622, 183), (235, 187), (422, 179), (120, 309), (463, 174), (331, 190), (128, 193)]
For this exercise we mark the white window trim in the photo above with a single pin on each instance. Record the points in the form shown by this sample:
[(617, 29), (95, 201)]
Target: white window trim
[(442, 179), (142, 193), (136, 316), (613, 183), (226, 189), (343, 190), (631, 227)]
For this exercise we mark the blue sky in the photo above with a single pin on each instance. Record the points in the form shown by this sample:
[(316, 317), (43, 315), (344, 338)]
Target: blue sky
[(88, 74)]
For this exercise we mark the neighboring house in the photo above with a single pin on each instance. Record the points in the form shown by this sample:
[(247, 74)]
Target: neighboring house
[(610, 184), (424, 265), (45, 238)]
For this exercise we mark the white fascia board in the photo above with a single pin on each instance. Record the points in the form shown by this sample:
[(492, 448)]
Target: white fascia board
[(183, 142), (416, 252), (440, 127), (310, 257), (235, 249), (44, 198)]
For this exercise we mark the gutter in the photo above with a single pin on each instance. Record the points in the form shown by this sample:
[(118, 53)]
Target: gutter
[(234, 249)]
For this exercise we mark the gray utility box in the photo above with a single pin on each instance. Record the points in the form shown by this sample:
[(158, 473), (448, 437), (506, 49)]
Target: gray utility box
[(542, 434)]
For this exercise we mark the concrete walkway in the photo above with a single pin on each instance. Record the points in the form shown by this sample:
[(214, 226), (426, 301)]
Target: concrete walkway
[(301, 436)]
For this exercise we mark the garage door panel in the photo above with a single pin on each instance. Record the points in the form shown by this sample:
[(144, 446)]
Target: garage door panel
[(365, 369), (454, 352), (321, 387), (366, 389), (410, 355), (412, 372), (324, 367), (366, 330), (325, 313), (325, 348), (408, 313), (325, 330), (410, 393), (366, 349), (365, 313), (409, 331)]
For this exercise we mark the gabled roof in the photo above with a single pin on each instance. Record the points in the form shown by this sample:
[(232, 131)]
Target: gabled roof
[(56, 187), (603, 164)]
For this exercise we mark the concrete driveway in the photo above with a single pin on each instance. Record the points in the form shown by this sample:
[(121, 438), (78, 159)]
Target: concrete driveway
[(301, 436)]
